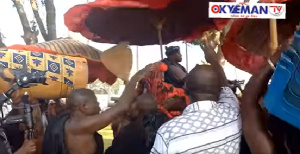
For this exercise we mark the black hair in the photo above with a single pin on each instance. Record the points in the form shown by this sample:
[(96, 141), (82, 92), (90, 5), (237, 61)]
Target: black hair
[(151, 123), (171, 50)]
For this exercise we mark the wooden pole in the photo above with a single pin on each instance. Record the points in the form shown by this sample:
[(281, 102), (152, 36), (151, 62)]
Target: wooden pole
[(273, 35), (159, 26), (186, 56), (160, 44), (137, 58)]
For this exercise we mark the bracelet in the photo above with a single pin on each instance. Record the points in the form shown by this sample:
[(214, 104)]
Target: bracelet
[(271, 64)]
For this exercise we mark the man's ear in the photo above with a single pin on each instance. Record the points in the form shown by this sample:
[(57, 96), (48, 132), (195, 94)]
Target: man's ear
[(82, 106)]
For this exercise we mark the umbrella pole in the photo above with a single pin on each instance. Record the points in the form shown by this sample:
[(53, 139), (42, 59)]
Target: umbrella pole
[(137, 58), (186, 56), (160, 43), (159, 26), (273, 34)]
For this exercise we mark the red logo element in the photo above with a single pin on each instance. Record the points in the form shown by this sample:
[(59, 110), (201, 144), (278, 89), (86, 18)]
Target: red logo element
[(276, 10), (215, 9)]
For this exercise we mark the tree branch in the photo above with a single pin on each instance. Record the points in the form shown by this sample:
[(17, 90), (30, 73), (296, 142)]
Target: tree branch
[(38, 19), (1, 41), (51, 22), (29, 36)]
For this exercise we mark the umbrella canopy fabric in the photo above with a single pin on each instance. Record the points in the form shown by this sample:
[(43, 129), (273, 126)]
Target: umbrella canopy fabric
[(247, 44), (135, 21)]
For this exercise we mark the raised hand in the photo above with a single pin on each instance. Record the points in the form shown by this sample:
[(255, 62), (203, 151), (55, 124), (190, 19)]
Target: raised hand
[(143, 72), (28, 147), (208, 48), (276, 56)]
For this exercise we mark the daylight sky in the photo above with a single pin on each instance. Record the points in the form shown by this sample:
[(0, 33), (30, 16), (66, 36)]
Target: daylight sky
[(11, 27)]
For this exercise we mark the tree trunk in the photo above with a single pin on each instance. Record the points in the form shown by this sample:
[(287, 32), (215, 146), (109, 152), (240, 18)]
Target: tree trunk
[(51, 21), (29, 36), (1, 41), (38, 18)]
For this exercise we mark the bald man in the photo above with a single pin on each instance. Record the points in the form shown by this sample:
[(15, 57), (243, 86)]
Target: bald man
[(211, 123), (75, 132)]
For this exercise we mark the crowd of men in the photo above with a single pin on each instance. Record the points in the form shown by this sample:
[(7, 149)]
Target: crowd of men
[(214, 121)]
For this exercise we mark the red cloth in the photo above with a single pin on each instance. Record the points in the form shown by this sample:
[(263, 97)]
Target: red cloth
[(237, 55), (161, 91)]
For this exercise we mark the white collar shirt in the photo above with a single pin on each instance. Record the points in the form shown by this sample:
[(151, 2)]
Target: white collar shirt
[(205, 127)]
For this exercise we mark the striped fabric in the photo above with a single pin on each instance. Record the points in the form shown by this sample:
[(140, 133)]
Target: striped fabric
[(71, 47)]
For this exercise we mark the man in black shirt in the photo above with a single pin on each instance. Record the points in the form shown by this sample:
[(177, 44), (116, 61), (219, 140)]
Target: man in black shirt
[(176, 73)]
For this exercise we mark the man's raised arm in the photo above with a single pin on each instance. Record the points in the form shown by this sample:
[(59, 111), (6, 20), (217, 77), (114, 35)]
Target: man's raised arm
[(254, 128), (212, 57), (94, 123)]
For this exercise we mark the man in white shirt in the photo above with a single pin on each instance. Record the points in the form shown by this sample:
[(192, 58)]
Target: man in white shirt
[(211, 123)]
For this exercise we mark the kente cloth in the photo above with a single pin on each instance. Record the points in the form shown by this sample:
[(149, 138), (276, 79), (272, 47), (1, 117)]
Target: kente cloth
[(171, 77), (54, 138), (205, 127), (162, 92), (59, 68)]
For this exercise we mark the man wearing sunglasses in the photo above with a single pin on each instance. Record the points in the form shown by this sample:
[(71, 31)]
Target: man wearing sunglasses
[(176, 73)]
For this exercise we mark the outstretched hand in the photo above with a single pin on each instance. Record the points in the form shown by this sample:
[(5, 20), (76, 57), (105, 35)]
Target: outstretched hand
[(28, 147), (253, 117), (277, 55), (143, 72), (213, 58), (208, 48)]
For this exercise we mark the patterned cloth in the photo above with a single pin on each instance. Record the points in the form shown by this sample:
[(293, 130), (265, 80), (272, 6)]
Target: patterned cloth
[(162, 91), (204, 127), (59, 68)]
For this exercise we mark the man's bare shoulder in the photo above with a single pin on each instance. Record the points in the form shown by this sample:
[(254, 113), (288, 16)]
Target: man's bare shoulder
[(72, 127)]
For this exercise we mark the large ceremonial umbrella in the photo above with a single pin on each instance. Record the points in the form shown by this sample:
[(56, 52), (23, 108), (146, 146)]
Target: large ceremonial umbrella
[(141, 22), (245, 46), (247, 43)]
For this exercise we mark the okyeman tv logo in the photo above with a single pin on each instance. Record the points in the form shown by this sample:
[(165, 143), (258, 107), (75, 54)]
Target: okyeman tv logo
[(247, 10)]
